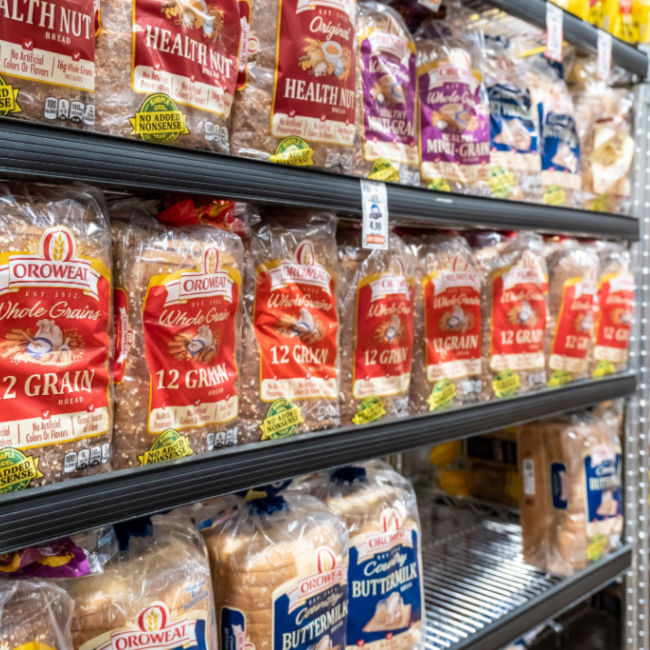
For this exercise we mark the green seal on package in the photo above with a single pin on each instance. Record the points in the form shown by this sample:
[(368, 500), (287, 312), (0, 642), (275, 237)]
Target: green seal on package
[(370, 409), (159, 120), (8, 99), (282, 420), (506, 383), (442, 395), (554, 195), (559, 378), (596, 547), (17, 471), (439, 184), (501, 182), (293, 151), (604, 368), (169, 445), (385, 171)]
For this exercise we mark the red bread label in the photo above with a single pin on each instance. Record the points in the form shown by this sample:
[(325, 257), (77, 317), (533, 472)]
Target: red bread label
[(189, 320), (314, 96), (123, 333), (616, 302), (296, 325), (383, 335)]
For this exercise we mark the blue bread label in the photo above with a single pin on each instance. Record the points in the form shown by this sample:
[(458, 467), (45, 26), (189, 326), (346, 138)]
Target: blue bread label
[(510, 112), (558, 478), (560, 143), (233, 629), (603, 476)]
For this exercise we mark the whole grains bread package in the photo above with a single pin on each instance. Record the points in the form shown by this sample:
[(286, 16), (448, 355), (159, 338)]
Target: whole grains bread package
[(447, 366), (454, 115), (47, 67), (290, 365), (55, 335), (296, 104), (167, 70), (376, 302), (280, 571), (386, 147), (178, 321), (385, 582)]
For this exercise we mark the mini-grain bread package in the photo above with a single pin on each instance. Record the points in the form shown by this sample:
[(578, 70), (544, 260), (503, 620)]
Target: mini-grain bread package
[(178, 337), (454, 116), (290, 368), (297, 99), (386, 146), (376, 303), (55, 335), (47, 67), (385, 582), (167, 70), (280, 572)]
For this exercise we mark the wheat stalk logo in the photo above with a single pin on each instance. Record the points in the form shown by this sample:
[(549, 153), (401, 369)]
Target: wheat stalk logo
[(152, 621), (58, 247)]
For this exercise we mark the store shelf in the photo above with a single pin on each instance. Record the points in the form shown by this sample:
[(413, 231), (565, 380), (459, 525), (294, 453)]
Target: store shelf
[(42, 152), (42, 514)]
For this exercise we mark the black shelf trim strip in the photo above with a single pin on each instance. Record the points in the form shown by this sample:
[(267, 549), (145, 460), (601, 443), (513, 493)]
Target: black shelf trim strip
[(53, 511), (46, 153)]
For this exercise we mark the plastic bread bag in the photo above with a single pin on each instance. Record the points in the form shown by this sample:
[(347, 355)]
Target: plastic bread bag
[(447, 366), (454, 115), (178, 309), (296, 102), (167, 72), (55, 335), (280, 570), (378, 506), (386, 147), (376, 303), (290, 366)]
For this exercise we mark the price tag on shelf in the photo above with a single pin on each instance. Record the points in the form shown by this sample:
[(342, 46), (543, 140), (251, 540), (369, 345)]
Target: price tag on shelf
[(375, 215), (554, 32), (604, 55)]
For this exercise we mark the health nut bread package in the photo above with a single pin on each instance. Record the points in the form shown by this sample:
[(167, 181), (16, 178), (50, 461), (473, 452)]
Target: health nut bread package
[(280, 571), (167, 70), (178, 322), (290, 367), (55, 335), (297, 102), (376, 302)]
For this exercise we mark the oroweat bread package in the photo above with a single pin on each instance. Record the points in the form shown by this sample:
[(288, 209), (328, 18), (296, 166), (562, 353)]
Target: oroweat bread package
[(55, 335), (296, 104), (290, 369), (167, 70), (386, 147), (178, 316), (280, 571), (376, 302)]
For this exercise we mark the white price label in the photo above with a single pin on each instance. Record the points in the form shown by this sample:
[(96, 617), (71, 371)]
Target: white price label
[(604, 55), (432, 5), (554, 33), (375, 215)]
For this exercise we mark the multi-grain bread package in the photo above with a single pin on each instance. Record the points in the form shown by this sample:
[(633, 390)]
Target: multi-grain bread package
[(386, 146), (385, 582), (290, 369), (376, 302), (280, 571), (447, 366), (47, 67), (167, 70), (55, 335), (297, 101), (178, 322)]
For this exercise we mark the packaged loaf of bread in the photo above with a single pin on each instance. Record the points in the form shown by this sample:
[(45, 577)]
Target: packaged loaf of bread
[(55, 335), (47, 67), (290, 365), (573, 277), (178, 321), (447, 368), (297, 102), (376, 301), (385, 582), (386, 147), (454, 115), (615, 310), (280, 571), (167, 70)]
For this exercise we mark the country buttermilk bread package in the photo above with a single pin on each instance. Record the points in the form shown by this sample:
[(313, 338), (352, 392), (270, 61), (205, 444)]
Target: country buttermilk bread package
[(570, 499), (178, 322), (280, 571), (376, 302), (447, 365), (385, 582), (167, 70), (297, 100), (386, 147), (290, 368), (47, 67), (55, 335)]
